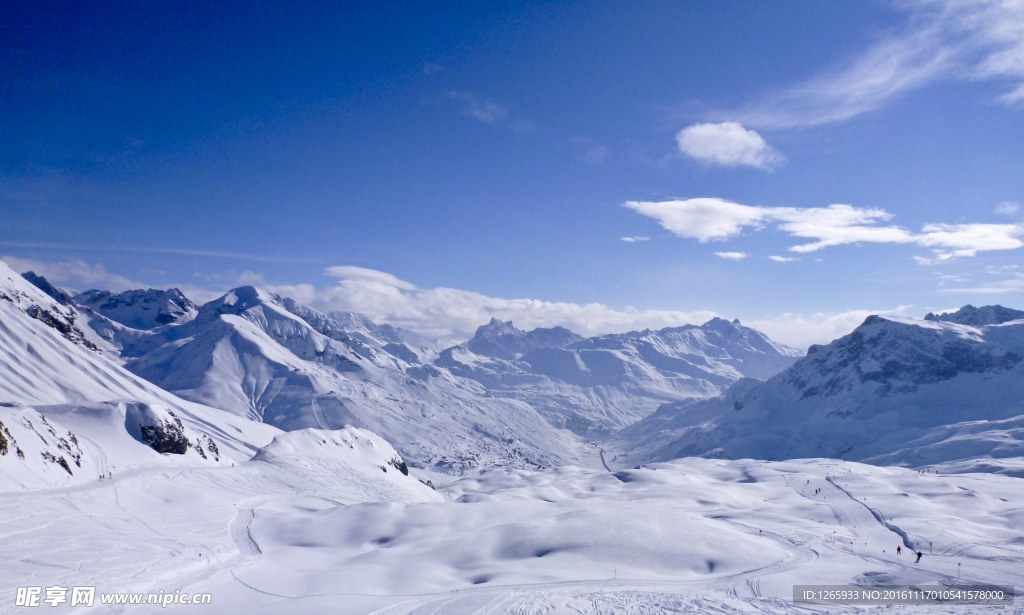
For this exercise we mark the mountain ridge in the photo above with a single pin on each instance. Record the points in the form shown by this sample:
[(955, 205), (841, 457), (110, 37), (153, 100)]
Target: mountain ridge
[(895, 390)]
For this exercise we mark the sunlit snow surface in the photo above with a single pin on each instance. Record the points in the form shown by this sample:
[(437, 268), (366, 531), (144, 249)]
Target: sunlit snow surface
[(315, 525)]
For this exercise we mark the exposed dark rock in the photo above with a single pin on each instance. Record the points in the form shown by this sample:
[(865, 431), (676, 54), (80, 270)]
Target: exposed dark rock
[(212, 447), (59, 295), (62, 323), (975, 316), (48, 456), (399, 464), (166, 437)]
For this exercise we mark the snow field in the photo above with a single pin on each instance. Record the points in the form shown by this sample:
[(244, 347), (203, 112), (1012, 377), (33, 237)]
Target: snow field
[(310, 534)]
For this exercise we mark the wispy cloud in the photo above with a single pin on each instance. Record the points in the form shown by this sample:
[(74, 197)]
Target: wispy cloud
[(966, 40), (727, 144), (634, 238), (1007, 208), (713, 219), (266, 258), (732, 256), (76, 274), (782, 259), (480, 109), (1001, 287)]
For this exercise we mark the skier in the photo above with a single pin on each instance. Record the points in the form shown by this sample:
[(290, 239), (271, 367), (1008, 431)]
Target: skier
[(918, 557), (899, 549)]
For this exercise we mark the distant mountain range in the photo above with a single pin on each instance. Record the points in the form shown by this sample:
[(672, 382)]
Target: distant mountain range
[(894, 391), (596, 385), (506, 397), (946, 389)]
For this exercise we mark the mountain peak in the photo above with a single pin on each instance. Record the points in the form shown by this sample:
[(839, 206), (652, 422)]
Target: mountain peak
[(502, 340), (238, 300), (978, 316), (59, 295), (721, 324), (140, 308)]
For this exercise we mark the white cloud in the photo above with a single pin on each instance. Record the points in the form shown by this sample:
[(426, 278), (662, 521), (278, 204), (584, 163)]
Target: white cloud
[(1007, 208), (727, 144), (362, 275), (454, 314), (1001, 269), (783, 259), (732, 256), (634, 238), (956, 240), (800, 330), (955, 278), (480, 109), (1002, 287), (972, 39), (75, 274), (712, 219), (703, 219)]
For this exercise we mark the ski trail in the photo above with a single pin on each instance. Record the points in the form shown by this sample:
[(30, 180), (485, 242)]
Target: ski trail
[(879, 517)]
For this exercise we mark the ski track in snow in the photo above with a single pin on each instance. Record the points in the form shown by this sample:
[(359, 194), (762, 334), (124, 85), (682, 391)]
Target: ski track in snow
[(234, 554)]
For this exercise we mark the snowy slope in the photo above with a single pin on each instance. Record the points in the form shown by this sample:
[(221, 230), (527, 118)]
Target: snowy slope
[(70, 415), (285, 533), (270, 359), (356, 329), (894, 391), (596, 385)]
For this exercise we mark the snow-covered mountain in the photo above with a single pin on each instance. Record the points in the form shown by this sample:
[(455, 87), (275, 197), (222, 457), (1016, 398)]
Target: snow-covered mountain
[(600, 384), (502, 340), (986, 315), (69, 414), (894, 391), (109, 482), (140, 309), (270, 359), (121, 324), (502, 397)]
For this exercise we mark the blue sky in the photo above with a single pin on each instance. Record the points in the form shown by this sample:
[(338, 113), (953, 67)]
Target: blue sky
[(604, 166)]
